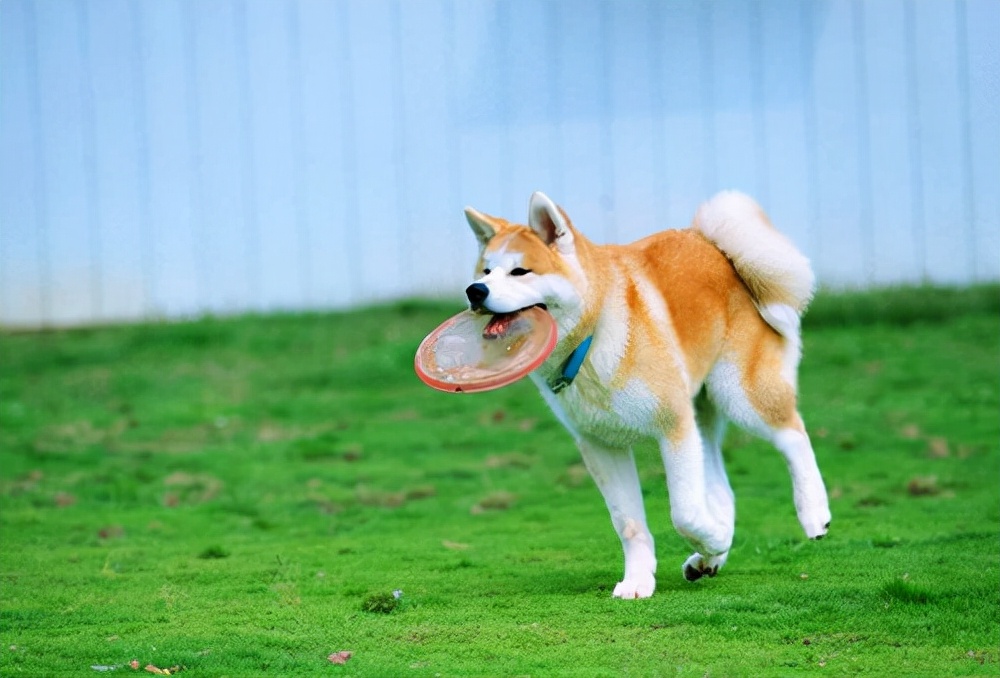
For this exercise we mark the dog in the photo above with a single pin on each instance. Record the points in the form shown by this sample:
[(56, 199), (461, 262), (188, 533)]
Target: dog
[(668, 338)]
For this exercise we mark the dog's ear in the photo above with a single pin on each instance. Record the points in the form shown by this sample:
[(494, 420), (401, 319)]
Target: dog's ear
[(481, 225), (550, 222)]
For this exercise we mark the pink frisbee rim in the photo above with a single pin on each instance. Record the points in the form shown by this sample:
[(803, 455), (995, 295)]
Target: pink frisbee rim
[(502, 378)]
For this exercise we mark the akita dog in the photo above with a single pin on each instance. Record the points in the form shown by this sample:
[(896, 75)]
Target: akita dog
[(668, 338)]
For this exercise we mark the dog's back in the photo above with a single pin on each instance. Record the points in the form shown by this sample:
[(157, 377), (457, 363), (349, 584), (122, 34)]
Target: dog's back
[(729, 282)]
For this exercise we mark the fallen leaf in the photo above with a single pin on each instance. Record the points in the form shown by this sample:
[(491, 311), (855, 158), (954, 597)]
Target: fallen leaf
[(923, 486), (421, 492), (340, 657), (64, 499), (939, 447), (111, 532), (495, 501), (352, 452), (513, 459)]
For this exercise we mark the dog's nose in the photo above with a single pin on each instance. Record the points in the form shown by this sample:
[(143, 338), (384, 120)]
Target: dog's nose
[(477, 293)]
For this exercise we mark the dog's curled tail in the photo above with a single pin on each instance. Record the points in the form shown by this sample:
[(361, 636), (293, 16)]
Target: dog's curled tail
[(777, 274)]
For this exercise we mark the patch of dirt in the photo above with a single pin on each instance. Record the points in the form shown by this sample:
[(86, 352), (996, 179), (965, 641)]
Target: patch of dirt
[(190, 488), (495, 501)]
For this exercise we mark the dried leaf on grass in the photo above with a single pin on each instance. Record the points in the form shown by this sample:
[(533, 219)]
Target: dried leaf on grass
[(63, 499), (190, 488), (923, 486), (340, 657), (134, 665), (157, 671), (495, 501), (509, 460), (938, 447)]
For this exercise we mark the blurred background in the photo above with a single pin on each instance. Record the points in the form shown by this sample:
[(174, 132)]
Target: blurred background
[(169, 158)]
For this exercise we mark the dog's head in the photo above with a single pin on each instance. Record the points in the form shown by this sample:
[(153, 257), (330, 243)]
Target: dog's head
[(523, 266)]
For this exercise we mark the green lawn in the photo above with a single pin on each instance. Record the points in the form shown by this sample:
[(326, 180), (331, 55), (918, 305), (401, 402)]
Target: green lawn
[(241, 497)]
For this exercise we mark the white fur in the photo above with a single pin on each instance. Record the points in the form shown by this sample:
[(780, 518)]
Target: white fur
[(689, 508), (811, 504), (787, 322), (725, 387), (808, 490), (737, 225), (540, 209), (615, 474), (480, 225), (509, 293), (606, 421)]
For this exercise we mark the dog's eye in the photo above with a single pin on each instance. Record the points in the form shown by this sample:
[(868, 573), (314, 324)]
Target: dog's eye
[(486, 271), (520, 271)]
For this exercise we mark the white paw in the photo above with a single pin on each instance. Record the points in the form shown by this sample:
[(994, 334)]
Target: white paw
[(635, 586), (815, 518), (698, 566), (816, 525)]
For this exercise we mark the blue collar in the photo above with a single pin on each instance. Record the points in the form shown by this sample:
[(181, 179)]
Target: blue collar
[(571, 367)]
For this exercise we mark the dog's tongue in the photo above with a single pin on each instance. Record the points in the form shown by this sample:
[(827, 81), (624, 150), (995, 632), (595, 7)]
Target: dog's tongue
[(498, 325)]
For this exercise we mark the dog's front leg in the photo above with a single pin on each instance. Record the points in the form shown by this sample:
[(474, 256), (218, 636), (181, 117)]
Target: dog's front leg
[(711, 533), (615, 474)]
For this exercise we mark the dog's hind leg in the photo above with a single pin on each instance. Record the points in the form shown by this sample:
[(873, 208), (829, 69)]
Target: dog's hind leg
[(765, 404), (721, 503), (808, 490), (616, 477)]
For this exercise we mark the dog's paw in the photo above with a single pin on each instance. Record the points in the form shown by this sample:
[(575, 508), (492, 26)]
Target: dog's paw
[(698, 566), (635, 586), (816, 523), (813, 509), (817, 532)]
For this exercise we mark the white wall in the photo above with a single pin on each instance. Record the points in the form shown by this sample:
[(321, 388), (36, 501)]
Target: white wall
[(175, 157)]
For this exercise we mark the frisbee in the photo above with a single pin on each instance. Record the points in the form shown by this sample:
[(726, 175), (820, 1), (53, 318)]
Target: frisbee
[(473, 352)]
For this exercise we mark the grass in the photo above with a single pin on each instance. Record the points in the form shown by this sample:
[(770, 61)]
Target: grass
[(249, 496)]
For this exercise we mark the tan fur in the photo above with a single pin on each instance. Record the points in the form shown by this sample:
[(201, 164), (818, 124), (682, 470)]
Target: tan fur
[(713, 312), (708, 317)]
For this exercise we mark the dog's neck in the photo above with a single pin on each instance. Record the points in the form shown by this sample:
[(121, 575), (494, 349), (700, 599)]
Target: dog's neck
[(578, 324)]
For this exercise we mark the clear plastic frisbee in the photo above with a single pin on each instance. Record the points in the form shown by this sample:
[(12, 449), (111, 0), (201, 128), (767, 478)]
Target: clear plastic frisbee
[(473, 352)]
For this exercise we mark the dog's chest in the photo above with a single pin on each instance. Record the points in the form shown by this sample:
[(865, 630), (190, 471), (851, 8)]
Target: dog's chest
[(590, 408)]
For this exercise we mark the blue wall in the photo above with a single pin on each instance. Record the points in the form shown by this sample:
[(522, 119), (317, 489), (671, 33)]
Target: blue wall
[(175, 157)]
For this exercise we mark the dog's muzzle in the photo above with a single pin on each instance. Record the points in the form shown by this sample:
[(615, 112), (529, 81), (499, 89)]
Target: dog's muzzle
[(477, 293)]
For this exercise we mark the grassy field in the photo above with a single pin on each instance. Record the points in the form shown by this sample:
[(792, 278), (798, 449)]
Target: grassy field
[(242, 497)]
